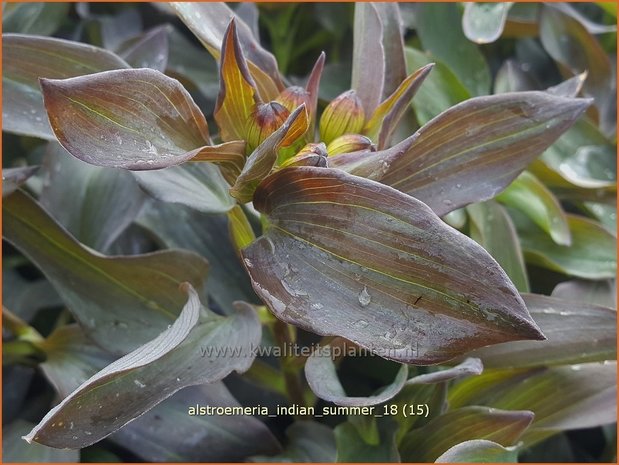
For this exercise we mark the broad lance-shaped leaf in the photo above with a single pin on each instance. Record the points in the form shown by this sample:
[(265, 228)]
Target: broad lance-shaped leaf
[(27, 58), (237, 91), (479, 450), (209, 20), (148, 50), (121, 302), (471, 151), (393, 45), (136, 119), (261, 161), (577, 333), (368, 68), (426, 444), (322, 379), (153, 372), (350, 257)]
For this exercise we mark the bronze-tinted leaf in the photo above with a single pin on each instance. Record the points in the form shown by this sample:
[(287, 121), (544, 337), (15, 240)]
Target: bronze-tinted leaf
[(230, 156), (208, 21), (323, 381), (387, 115), (427, 443), (577, 333), (472, 151), (137, 119), (120, 302), (140, 380), (261, 161), (393, 45), (237, 90), (25, 59), (148, 50), (350, 257)]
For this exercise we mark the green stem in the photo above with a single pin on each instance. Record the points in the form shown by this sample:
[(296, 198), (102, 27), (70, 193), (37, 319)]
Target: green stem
[(22, 330), (294, 389)]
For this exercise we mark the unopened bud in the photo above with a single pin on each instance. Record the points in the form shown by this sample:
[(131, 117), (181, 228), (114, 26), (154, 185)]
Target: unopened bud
[(349, 143), (344, 115), (264, 121), (292, 97), (310, 155)]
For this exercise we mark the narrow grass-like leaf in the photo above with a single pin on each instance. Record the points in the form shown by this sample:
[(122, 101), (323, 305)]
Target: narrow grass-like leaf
[(577, 333), (387, 115), (592, 254), (148, 50), (530, 196), (308, 441), (261, 161), (479, 451), (237, 91), (137, 119), (483, 23), (209, 20), (492, 228), (153, 372), (200, 186), (12, 178), (172, 434), (562, 397), (427, 443), (25, 59), (120, 302), (368, 69), (95, 204), (470, 152), (386, 273), (323, 380)]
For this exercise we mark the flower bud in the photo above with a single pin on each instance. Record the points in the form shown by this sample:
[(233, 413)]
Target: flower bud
[(292, 97), (264, 121), (310, 155), (349, 143), (344, 115)]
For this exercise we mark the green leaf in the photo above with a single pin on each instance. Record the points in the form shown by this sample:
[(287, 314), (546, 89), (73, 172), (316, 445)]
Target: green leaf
[(13, 178), (71, 358), (561, 35), (209, 20), (530, 196), (153, 372), (439, 26), (591, 255), (470, 152), (562, 397), (308, 441), (323, 381), (27, 58), (591, 292), (120, 302), (368, 56), (512, 78), (263, 158), (200, 186), (577, 333), (136, 119), (173, 435), (181, 227), (351, 447), (386, 273), (440, 90), (93, 203), (479, 451), (492, 228), (14, 449), (426, 444), (483, 23), (33, 18), (148, 50)]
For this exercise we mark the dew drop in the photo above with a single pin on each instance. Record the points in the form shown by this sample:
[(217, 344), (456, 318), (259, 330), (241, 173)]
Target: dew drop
[(139, 383), (364, 297)]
